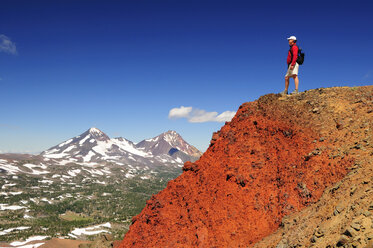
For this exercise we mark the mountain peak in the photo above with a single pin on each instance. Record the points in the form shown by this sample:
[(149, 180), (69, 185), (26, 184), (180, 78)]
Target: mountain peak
[(171, 132), (171, 136), (94, 130), (166, 141), (97, 134)]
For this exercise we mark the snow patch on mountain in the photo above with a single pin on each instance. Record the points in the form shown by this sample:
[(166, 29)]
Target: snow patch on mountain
[(89, 156), (81, 142)]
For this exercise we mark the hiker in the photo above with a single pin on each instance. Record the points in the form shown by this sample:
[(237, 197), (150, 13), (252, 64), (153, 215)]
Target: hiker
[(293, 66)]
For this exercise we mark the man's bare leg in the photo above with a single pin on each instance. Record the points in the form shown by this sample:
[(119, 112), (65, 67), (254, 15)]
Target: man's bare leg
[(296, 81), (286, 83)]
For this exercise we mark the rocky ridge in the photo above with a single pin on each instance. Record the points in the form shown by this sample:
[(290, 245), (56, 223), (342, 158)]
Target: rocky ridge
[(272, 177)]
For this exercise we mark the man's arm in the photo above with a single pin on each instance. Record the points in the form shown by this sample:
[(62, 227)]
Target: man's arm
[(294, 49)]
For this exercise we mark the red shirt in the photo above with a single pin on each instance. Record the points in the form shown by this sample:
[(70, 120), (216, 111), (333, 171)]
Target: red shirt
[(294, 50)]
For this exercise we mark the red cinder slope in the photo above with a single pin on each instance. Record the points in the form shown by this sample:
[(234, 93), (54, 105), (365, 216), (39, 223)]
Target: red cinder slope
[(275, 157)]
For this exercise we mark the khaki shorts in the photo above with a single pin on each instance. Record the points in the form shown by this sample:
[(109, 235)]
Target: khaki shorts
[(293, 72)]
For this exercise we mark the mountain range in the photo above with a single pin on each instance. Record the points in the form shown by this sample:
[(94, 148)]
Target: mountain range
[(94, 146)]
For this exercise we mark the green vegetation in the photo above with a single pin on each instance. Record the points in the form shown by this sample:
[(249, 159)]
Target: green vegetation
[(71, 216), (56, 208)]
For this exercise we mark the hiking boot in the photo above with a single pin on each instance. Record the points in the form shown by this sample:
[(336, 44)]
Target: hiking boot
[(294, 92), (285, 92)]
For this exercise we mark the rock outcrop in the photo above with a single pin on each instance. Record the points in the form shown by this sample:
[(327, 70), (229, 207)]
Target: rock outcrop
[(273, 160)]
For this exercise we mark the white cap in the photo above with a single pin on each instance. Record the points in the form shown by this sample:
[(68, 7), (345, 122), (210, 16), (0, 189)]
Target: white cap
[(292, 38)]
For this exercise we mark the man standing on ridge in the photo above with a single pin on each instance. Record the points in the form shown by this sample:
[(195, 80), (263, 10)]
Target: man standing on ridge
[(293, 66)]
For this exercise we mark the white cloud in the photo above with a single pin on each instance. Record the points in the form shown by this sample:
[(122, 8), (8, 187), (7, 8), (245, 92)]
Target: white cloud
[(6, 45), (182, 112), (199, 115), (225, 116)]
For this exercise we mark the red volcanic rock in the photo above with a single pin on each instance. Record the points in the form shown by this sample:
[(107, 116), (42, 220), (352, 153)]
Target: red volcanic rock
[(275, 157)]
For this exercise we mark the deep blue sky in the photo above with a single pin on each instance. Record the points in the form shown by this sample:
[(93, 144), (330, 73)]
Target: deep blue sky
[(122, 65)]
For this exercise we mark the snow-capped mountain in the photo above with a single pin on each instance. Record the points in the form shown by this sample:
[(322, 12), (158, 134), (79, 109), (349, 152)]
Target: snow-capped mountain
[(168, 143), (94, 146), (99, 158)]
